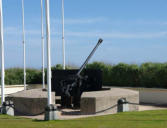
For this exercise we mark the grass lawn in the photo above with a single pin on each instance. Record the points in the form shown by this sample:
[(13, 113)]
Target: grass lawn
[(145, 119)]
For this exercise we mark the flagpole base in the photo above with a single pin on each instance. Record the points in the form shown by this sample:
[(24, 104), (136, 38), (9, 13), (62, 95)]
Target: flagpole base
[(8, 108), (51, 113)]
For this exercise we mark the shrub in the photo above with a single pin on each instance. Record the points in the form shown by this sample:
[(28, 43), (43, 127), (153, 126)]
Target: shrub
[(33, 76), (106, 69), (14, 76), (152, 75), (125, 75)]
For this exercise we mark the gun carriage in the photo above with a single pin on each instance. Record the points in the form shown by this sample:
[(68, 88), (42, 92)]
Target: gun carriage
[(70, 84)]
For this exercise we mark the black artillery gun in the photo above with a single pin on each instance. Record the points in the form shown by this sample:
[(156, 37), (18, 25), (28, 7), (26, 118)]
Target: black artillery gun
[(70, 84)]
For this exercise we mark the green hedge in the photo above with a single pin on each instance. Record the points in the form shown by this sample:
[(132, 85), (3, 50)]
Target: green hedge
[(14, 76), (153, 75)]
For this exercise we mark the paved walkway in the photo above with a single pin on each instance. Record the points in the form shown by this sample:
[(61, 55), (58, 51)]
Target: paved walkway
[(67, 114), (149, 107), (12, 89)]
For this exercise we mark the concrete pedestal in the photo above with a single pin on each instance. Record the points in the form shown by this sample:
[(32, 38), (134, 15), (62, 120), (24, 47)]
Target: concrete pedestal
[(51, 112), (97, 101), (30, 102)]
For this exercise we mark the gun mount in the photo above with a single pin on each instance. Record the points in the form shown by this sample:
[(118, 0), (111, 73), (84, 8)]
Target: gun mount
[(72, 83)]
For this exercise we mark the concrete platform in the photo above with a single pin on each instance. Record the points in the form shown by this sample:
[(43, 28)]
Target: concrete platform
[(98, 101), (30, 102), (66, 114)]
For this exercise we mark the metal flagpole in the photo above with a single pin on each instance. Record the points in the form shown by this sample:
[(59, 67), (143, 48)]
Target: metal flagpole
[(2, 56), (24, 49), (48, 51), (42, 39), (63, 40)]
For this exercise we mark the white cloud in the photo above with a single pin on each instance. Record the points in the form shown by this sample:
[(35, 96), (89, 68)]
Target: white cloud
[(123, 35), (119, 35), (12, 30), (138, 22), (136, 35), (80, 20), (18, 31)]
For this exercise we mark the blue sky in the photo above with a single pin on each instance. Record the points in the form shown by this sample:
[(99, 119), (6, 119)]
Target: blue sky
[(134, 31)]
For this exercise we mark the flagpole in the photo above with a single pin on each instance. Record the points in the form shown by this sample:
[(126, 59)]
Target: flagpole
[(42, 39), (63, 40), (24, 47), (2, 56), (48, 51)]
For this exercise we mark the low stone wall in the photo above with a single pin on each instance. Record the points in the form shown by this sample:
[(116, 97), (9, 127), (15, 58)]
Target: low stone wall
[(153, 96), (94, 102), (30, 102)]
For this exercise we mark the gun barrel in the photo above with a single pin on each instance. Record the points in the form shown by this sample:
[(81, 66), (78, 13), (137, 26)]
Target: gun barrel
[(88, 58)]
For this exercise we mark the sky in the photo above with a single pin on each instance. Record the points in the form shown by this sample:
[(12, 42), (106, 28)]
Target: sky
[(134, 31)]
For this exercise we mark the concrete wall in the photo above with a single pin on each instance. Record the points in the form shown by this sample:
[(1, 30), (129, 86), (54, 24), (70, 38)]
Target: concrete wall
[(30, 102), (94, 102), (153, 96)]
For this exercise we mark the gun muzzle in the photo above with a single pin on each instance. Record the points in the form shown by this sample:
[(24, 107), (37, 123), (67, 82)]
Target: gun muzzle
[(100, 40)]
